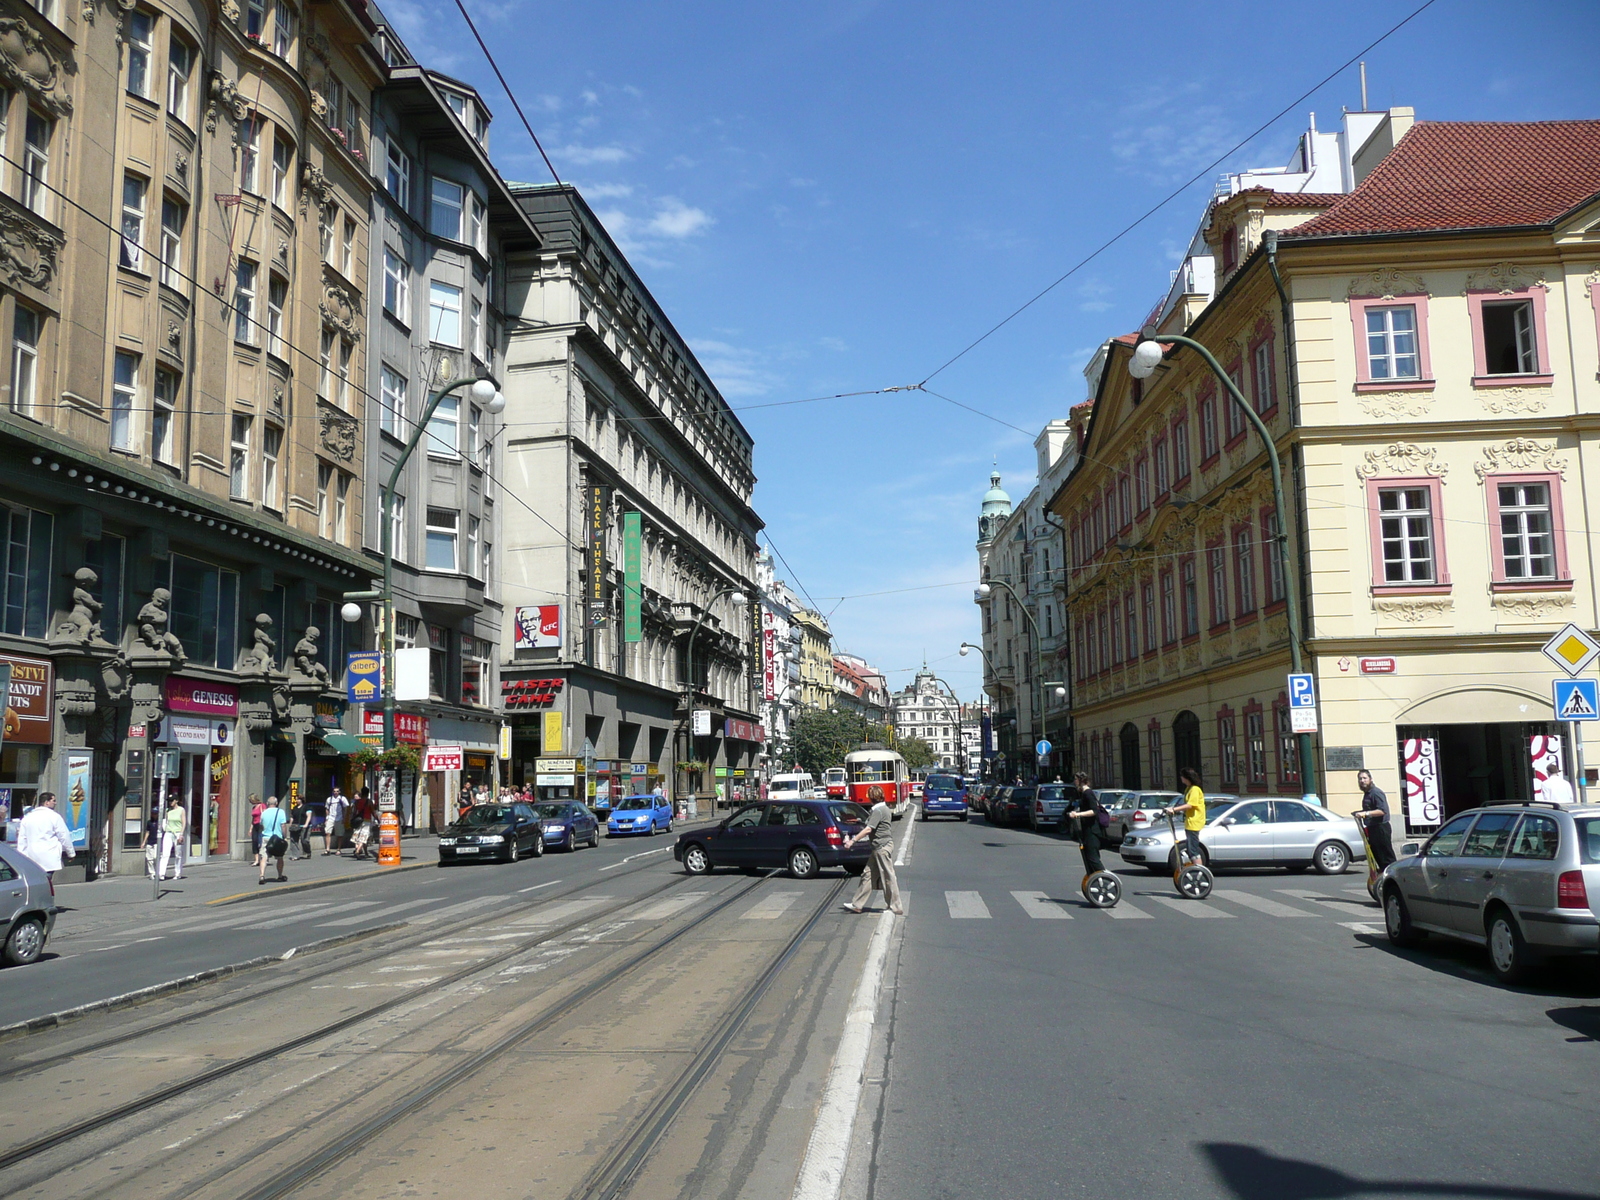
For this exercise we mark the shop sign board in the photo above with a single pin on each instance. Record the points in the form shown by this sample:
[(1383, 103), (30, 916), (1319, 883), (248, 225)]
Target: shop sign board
[(743, 731), (554, 734), (442, 758), (76, 788), (201, 697), (329, 714), (769, 655), (557, 766), (558, 780), (1571, 649), (188, 731), (599, 507), (29, 700), (702, 722), (1378, 666), (363, 680), (632, 583), (411, 673), (505, 743), (538, 627), (408, 727)]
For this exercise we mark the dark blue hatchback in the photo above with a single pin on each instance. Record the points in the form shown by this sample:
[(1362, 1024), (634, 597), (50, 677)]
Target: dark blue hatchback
[(944, 796)]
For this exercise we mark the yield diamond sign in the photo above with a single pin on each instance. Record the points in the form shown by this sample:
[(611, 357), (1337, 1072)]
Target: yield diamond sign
[(1577, 699), (1572, 650)]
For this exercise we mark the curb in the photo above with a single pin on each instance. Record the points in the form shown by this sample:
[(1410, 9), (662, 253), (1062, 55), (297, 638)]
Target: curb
[(312, 884), (211, 974)]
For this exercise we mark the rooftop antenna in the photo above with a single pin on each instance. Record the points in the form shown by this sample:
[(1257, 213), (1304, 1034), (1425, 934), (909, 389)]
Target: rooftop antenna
[(1363, 85)]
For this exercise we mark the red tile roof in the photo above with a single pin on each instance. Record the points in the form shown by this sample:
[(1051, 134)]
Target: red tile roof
[(1470, 175), (1268, 198)]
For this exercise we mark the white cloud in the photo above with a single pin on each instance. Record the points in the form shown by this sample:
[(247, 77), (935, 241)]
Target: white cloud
[(736, 371), (589, 97), (606, 191), (675, 219), (583, 156)]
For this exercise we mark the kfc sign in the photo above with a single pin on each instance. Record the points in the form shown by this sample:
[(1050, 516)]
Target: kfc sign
[(769, 656), (538, 627)]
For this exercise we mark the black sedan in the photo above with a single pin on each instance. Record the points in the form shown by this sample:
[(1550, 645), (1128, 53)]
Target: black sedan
[(803, 837), (502, 831), (568, 824)]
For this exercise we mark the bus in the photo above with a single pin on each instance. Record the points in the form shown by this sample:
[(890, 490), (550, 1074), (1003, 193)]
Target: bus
[(872, 764), (833, 780)]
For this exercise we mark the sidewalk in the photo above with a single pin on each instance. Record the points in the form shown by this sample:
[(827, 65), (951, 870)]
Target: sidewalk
[(116, 902)]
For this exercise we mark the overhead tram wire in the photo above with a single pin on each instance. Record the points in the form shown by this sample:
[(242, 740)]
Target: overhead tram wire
[(1202, 173), (289, 346)]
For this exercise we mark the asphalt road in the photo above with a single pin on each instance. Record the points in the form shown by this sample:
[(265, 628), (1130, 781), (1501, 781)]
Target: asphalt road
[(1267, 1044), (81, 968)]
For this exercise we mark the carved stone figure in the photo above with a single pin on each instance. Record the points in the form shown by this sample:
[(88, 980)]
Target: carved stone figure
[(28, 62), (82, 624), (305, 657), (28, 251), (153, 634), (263, 649)]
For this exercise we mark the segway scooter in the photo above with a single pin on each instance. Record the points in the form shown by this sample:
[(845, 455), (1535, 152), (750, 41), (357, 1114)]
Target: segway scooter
[(1191, 877), (1101, 889)]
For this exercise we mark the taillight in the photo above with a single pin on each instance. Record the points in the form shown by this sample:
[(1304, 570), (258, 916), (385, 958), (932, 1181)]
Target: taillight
[(835, 838), (1038, 806), (1570, 892), (1138, 815)]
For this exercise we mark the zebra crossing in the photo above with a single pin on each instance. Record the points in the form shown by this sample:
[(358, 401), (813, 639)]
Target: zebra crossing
[(1147, 904)]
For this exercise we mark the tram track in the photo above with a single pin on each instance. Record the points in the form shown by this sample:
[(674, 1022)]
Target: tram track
[(110, 1116), (364, 957)]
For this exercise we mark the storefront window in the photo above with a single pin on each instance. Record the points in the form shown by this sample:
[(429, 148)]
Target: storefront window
[(205, 611), (27, 581)]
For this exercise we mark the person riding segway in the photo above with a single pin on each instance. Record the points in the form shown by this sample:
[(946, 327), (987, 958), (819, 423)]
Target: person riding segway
[(1100, 887), (1190, 875)]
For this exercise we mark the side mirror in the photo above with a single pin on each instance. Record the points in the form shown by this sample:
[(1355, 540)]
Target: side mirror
[(1411, 849), (1228, 821)]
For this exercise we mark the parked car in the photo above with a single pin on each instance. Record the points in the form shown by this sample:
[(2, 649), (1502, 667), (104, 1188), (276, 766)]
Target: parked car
[(502, 831), (1520, 879), (29, 908), (1049, 802), (944, 796), (1255, 832), (976, 792), (1131, 810), (640, 814), (567, 824), (1012, 806), (803, 836)]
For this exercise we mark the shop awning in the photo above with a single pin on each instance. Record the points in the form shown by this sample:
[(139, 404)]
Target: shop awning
[(343, 743)]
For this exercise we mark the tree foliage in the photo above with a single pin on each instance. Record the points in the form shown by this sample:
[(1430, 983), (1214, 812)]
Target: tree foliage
[(819, 740), (917, 753)]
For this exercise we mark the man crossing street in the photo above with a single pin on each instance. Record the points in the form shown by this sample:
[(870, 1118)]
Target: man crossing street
[(879, 875)]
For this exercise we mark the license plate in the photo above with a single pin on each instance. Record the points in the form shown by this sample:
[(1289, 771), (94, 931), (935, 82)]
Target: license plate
[(466, 849)]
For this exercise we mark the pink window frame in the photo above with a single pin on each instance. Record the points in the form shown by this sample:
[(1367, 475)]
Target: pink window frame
[(1253, 709), (1141, 472), (1188, 562), (1157, 454), (1169, 628), (1358, 324), (1269, 559), (1125, 500), (1217, 552), (1435, 486), (1235, 372), (1594, 303), (1272, 374), (1288, 764), (1225, 713), (1240, 613), (1480, 363), (1181, 421), (1558, 534), (1208, 399)]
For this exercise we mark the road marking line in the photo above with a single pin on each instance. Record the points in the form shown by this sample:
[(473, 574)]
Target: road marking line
[(631, 857), (773, 907), (537, 886), (1189, 908), (1324, 897), (485, 903), (1261, 904), (560, 910), (1123, 911), (393, 908), (966, 906), (828, 1151), (1041, 907), (669, 907), (905, 851), (1363, 926)]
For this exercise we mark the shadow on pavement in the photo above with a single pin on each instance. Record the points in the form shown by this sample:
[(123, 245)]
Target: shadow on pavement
[(1583, 1020), (1253, 1174), (1573, 977)]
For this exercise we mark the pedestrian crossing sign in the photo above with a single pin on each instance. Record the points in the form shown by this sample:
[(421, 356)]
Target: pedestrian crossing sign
[(1577, 699)]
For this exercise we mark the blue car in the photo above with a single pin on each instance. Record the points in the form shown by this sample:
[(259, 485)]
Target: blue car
[(640, 814), (944, 796), (567, 824)]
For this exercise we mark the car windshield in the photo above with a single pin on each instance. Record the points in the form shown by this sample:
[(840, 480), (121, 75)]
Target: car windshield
[(1589, 838), (638, 802), (848, 814), (1021, 794), (944, 783), (1053, 792), (553, 812), (486, 814)]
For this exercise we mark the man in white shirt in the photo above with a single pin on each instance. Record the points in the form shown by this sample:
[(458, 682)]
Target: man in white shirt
[(333, 822), (43, 836), (1556, 789)]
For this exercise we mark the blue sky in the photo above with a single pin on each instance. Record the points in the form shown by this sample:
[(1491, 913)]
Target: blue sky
[(839, 196)]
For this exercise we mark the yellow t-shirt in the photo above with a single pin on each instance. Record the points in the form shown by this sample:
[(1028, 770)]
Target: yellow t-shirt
[(1195, 819)]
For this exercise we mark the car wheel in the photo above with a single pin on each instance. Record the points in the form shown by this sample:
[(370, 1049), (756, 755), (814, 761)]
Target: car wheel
[(1508, 953), (511, 850), (1397, 919), (802, 863), (25, 943), (963, 816), (571, 843), (1331, 858), (538, 844), (696, 861), (594, 839)]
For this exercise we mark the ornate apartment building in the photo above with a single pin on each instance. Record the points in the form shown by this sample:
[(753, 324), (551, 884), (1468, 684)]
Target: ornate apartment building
[(619, 447), (184, 200), (926, 709)]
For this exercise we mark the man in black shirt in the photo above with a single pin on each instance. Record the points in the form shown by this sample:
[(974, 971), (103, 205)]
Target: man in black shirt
[(1374, 818)]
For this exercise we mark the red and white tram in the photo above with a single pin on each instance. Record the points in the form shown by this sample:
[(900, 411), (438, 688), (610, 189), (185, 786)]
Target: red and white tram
[(874, 765)]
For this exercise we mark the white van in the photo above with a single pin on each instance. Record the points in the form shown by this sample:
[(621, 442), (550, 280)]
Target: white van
[(797, 785)]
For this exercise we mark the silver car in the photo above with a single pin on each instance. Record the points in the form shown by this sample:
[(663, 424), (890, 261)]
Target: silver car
[(1256, 831), (1520, 879), (28, 908), (1049, 802), (1131, 810)]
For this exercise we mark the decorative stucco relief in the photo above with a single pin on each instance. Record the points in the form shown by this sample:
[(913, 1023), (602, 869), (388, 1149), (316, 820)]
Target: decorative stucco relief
[(341, 310), (1519, 454), (28, 251), (338, 432), (314, 186), (1515, 400), (1415, 610), (1395, 406), (1401, 459), (1533, 608), (1506, 278), (1386, 283), (225, 100), (28, 62)]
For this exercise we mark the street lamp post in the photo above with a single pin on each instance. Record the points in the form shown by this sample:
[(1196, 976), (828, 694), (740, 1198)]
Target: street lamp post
[(737, 595), (485, 392), (1146, 358), (984, 590)]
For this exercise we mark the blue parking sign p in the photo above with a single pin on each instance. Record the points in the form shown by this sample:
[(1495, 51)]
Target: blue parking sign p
[(1302, 692)]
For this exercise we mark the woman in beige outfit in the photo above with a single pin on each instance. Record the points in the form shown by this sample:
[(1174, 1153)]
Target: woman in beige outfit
[(879, 875)]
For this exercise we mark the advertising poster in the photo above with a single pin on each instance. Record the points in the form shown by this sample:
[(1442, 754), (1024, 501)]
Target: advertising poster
[(538, 627), (75, 795), (221, 779), (1544, 751), (29, 702), (596, 591), (1424, 802), (554, 741), (632, 587)]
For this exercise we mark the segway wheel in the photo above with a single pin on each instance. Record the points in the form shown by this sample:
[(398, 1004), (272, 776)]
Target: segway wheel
[(1195, 882), (1102, 889)]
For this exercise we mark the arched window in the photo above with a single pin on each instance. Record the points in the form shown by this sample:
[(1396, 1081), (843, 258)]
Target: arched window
[(1130, 757), (1186, 742)]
